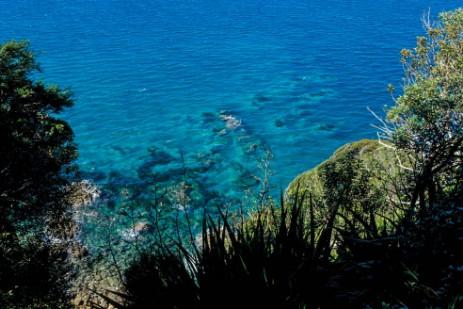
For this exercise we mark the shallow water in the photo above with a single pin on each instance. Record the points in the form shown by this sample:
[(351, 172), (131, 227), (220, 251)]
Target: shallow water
[(209, 85)]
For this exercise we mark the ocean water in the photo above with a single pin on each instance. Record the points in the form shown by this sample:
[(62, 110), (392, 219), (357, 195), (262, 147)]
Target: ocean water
[(205, 87)]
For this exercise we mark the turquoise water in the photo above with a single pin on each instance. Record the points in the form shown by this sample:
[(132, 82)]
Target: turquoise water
[(162, 87)]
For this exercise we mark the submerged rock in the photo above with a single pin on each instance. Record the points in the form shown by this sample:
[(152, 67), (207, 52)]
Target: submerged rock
[(326, 127), (279, 123), (209, 118), (159, 156), (231, 122), (260, 100)]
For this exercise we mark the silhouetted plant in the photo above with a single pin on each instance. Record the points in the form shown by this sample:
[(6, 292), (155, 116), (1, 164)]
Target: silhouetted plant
[(270, 259), (37, 156)]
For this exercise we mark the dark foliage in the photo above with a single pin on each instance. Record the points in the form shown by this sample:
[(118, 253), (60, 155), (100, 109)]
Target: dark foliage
[(271, 260), (36, 148), (36, 159)]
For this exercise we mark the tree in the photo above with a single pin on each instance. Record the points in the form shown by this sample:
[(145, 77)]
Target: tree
[(426, 123), (427, 118), (36, 166)]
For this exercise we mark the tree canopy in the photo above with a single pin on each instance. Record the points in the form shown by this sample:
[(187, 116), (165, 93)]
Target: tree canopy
[(36, 162), (427, 119)]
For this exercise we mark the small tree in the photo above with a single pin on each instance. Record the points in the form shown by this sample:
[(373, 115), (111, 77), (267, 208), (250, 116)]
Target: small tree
[(36, 159), (428, 117), (427, 124)]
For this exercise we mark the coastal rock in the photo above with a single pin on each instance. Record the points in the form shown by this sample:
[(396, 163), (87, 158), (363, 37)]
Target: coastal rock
[(83, 193), (137, 229)]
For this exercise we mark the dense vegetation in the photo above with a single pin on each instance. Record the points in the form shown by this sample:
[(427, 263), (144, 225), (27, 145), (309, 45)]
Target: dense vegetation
[(36, 167), (377, 225)]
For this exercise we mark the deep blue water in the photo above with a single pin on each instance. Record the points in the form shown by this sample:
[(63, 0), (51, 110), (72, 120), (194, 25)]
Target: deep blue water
[(295, 77)]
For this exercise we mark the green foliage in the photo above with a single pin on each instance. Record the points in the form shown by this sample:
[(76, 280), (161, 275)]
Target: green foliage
[(427, 118), (417, 180), (363, 181), (37, 148), (36, 158), (427, 123)]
